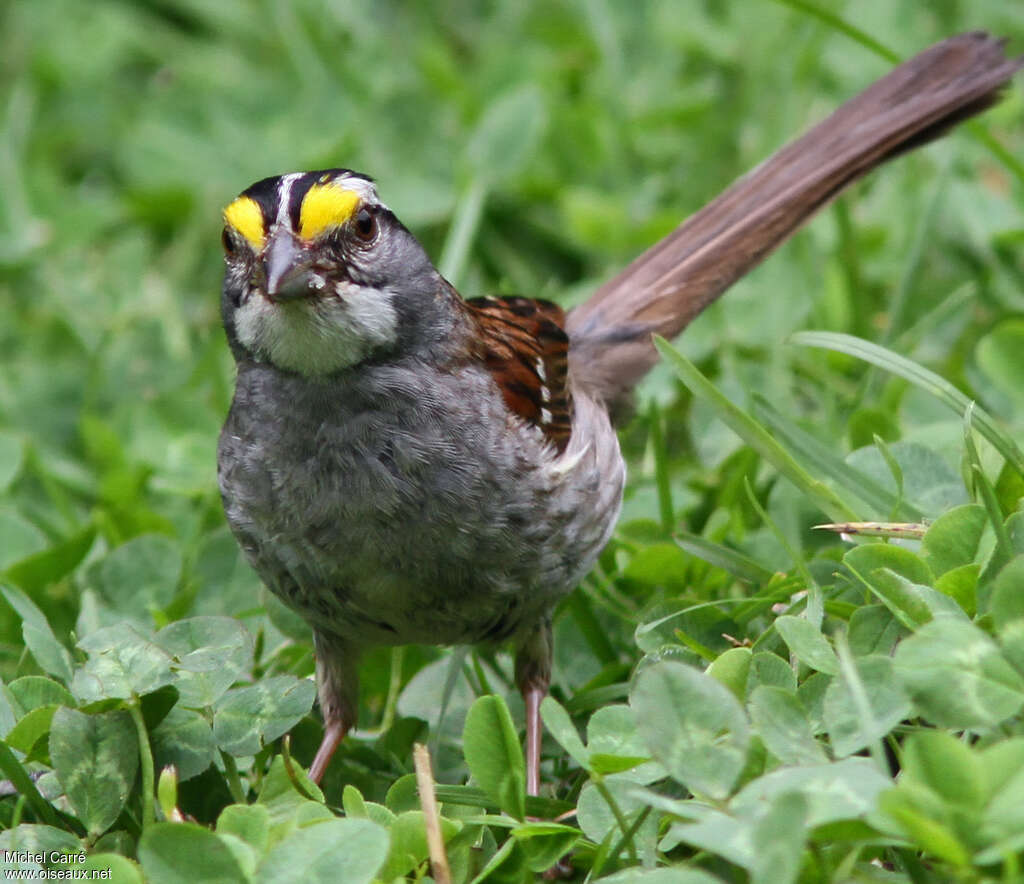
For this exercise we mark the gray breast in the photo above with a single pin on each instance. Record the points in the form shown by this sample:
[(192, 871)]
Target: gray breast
[(405, 505)]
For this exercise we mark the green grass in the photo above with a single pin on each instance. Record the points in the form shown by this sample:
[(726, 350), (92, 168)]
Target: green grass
[(535, 149)]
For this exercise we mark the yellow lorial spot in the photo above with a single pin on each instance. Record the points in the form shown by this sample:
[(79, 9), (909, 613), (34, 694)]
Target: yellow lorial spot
[(245, 216), (325, 206)]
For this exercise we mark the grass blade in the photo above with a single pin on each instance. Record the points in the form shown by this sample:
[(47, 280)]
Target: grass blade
[(21, 781), (844, 27), (756, 436), (824, 463), (920, 377), (719, 556)]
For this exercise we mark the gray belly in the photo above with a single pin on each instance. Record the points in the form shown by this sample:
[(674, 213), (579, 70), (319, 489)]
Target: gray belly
[(409, 508)]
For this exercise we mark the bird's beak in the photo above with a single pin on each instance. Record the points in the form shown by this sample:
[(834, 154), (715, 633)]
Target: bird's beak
[(289, 274)]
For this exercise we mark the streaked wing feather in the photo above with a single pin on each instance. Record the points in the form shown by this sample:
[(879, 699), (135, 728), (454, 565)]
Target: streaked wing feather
[(524, 345)]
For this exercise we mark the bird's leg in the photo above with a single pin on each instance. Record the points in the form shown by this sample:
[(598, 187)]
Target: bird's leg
[(532, 697), (334, 733), (337, 683), (533, 675)]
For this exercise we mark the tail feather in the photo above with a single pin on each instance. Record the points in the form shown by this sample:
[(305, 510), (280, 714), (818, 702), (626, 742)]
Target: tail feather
[(673, 281)]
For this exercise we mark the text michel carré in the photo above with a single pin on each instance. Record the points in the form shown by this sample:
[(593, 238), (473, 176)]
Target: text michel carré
[(55, 857)]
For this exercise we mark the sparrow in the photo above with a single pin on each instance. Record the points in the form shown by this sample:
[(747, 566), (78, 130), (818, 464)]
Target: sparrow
[(401, 465)]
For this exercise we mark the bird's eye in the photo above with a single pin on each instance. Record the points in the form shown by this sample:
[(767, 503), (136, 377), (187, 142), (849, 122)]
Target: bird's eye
[(228, 241), (365, 225)]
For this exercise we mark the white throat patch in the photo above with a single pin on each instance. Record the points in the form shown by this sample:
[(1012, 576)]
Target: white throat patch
[(320, 334)]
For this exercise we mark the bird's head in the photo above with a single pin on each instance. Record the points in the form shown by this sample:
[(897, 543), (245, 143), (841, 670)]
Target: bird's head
[(320, 274)]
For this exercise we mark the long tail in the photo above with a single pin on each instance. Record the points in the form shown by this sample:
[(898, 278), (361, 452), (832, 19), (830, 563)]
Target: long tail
[(674, 280)]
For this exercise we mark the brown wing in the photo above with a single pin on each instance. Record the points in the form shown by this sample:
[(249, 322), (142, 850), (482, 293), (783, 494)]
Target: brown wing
[(524, 345)]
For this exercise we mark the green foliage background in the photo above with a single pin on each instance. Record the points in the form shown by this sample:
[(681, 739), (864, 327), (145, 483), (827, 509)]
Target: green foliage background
[(535, 148)]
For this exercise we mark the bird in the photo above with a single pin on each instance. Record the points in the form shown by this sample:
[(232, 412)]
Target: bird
[(401, 465)]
